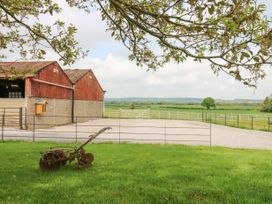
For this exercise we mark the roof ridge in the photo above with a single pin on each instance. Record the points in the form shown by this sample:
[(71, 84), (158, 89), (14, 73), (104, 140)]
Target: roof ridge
[(23, 67), (75, 74)]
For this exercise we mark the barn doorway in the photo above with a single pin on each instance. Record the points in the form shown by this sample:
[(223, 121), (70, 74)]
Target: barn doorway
[(12, 88)]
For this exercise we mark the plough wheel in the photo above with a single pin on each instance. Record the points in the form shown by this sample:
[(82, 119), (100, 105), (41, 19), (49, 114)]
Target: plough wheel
[(85, 161), (50, 161)]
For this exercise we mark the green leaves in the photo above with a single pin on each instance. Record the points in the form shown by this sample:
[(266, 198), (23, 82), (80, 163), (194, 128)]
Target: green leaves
[(31, 40), (211, 10), (231, 35)]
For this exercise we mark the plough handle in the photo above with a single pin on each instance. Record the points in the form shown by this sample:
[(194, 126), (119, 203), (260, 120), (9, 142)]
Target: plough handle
[(92, 137)]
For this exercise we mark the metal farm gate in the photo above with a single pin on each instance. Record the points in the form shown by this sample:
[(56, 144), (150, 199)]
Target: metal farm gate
[(13, 117)]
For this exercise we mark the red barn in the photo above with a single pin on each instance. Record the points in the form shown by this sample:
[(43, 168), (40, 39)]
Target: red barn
[(43, 89), (88, 93)]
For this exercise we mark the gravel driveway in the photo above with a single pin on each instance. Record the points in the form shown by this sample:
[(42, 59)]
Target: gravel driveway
[(150, 131)]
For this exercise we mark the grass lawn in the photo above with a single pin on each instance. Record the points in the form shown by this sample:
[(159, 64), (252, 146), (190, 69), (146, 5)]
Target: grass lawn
[(220, 109), (131, 173)]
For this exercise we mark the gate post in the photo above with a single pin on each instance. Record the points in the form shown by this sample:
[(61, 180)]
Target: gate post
[(21, 118), (3, 125), (26, 119), (33, 127)]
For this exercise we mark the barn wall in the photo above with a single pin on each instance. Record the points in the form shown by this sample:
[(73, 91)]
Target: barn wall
[(58, 112), (88, 88), (13, 102), (10, 107), (54, 74), (85, 110)]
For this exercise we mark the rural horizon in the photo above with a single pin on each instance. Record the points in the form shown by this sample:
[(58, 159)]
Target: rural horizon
[(179, 99)]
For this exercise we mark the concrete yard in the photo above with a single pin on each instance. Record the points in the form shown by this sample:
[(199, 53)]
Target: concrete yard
[(150, 131)]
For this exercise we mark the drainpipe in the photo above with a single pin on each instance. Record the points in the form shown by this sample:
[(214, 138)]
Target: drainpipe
[(103, 111), (73, 104)]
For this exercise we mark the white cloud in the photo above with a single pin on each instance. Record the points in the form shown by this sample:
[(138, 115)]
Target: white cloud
[(122, 78)]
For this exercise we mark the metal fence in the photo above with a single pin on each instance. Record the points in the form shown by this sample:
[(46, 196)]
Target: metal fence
[(123, 130), (247, 121), (14, 116)]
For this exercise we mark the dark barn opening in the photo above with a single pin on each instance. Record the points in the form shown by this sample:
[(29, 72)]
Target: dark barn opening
[(12, 88)]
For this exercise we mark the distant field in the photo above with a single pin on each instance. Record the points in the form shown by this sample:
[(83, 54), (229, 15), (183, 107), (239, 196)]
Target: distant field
[(126, 173), (246, 116), (221, 108)]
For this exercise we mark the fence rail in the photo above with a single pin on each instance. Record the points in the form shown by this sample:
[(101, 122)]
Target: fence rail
[(123, 130), (247, 121)]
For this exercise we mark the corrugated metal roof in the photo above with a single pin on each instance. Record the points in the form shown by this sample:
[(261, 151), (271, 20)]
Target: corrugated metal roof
[(25, 68), (76, 74)]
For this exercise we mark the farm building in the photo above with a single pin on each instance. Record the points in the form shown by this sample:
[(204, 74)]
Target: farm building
[(88, 93), (42, 91)]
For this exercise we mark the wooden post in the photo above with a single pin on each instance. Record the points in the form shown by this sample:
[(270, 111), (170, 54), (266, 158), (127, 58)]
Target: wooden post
[(225, 119), (21, 118), (26, 127), (252, 122), (3, 125), (238, 121), (33, 128)]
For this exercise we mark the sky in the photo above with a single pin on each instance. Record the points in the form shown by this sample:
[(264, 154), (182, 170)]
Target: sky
[(122, 78)]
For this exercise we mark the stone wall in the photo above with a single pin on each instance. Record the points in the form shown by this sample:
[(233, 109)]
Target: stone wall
[(86, 110), (58, 112), (13, 102)]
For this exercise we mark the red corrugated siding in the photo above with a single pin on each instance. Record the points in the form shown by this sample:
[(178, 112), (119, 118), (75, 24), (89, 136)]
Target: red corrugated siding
[(88, 89), (48, 91)]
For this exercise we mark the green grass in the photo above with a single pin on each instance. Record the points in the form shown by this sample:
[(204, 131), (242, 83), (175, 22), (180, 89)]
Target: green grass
[(221, 108), (131, 173)]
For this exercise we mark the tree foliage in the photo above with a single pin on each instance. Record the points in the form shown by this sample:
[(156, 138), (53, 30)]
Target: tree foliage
[(132, 106), (267, 105), (22, 32), (208, 103), (234, 36)]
